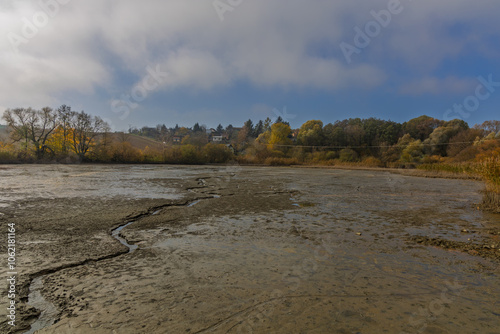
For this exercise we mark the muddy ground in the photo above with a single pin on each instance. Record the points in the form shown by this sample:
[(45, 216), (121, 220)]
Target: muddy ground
[(253, 250)]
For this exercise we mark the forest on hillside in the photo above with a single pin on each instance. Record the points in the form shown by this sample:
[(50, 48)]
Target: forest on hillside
[(65, 136)]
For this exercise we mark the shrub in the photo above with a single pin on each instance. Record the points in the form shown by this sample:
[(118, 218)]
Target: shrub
[(259, 152), (247, 160), (7, 156), (348, 155), (190, 155), (126, 153), (217, 153), (297, 153), (273, 161), (318, 157), (413, 152), (172, 155), (432, 159), (331, 155), (151, 155), (372, 162)]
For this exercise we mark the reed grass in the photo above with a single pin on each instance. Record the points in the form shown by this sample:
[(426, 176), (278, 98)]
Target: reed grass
[(456, 168), (489, 169)]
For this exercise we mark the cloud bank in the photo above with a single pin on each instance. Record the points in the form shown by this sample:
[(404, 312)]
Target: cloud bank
[(89, 47)]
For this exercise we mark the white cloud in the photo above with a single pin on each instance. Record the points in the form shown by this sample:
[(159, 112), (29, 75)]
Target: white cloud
[(427, 34), (292, 44), (197, 69)]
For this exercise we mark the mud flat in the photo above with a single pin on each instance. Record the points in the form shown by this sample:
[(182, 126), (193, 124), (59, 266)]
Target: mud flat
[(250, 250)]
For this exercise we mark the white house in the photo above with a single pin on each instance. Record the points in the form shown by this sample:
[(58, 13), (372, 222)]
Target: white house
[(217, 139)]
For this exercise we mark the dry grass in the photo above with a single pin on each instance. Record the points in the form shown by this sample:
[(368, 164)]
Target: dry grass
[(281, 161), (489, 169), (491, 201), (456, 168)]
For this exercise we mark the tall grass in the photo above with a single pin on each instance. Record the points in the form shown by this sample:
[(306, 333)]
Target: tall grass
[(457, 168), (489, 169)]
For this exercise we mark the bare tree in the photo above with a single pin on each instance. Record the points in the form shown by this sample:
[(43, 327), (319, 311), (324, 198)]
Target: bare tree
[(33, 126), (85, 130), (43, 123), (17, 121), (64, 114)]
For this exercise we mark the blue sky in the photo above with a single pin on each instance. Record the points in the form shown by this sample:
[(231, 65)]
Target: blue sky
[(180, 62)]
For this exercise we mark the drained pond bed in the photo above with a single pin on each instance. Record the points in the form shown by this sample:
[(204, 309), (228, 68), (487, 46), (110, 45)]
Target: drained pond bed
[(155, 249)]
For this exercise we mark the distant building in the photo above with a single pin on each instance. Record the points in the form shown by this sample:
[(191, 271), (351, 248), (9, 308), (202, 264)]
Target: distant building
[(217, 139), (177, 139)]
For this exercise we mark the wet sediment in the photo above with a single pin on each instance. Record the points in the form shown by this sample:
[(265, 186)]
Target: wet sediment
[(46, 313), (355, 253)]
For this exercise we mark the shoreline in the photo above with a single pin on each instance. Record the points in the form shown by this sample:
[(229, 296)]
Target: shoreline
[(404, 171)]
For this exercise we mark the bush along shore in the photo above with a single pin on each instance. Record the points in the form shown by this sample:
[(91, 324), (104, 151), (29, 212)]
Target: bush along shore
[(432, 146)]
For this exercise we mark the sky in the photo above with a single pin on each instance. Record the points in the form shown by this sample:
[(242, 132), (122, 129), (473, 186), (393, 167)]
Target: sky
[(142, 63)]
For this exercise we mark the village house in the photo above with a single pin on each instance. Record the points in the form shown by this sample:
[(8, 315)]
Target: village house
[(218, 139)]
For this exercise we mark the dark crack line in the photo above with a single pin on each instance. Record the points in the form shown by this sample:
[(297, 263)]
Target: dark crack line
[(126, 221)]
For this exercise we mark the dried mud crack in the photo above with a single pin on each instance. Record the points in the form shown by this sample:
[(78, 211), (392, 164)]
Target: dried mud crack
[(37, 277)]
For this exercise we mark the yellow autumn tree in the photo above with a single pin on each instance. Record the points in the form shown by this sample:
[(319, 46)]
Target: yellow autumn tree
[(7, 152), (280, 134), (60, 140)]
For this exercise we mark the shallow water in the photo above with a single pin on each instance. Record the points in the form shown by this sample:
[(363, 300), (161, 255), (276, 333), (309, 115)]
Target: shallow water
[(36, 300), (21, 182), (349, 256), (116, 234)]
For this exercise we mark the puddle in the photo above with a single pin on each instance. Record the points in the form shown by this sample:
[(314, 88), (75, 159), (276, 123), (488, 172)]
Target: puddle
[(193, 204), (304, 204), (24, 182), (116, 235), (35, 299)]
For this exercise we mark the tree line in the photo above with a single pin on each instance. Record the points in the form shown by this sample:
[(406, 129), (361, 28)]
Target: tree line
[(373, 141), (61, 134)]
